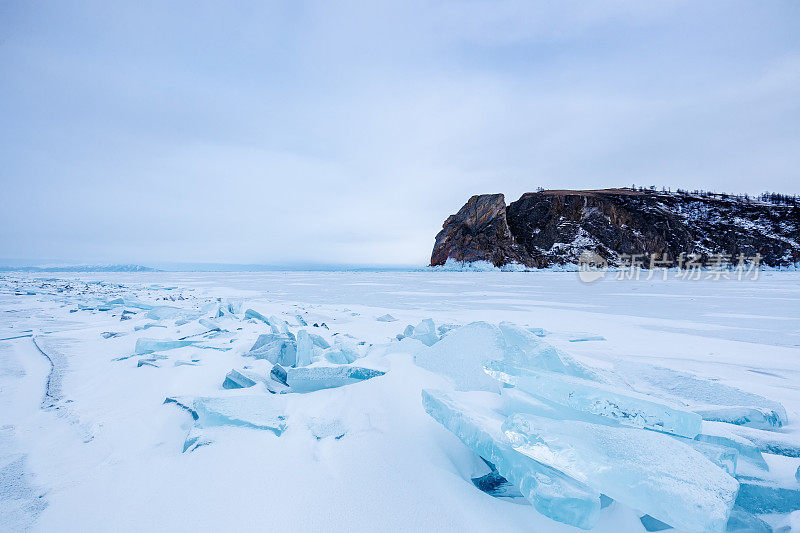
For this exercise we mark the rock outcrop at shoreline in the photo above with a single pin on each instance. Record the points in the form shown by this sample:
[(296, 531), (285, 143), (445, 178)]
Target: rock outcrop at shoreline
[(554, 227)]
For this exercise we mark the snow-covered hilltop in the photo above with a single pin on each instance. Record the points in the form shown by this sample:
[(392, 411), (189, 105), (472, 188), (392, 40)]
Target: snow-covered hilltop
[(555, 227)]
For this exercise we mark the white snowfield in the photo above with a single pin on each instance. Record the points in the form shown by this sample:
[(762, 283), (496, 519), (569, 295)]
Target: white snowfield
[(398, 401)]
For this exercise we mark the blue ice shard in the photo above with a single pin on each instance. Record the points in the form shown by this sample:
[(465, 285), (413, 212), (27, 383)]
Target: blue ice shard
[(148, 326), (256, 411), (209, 324), (313, 378), (765, 441), (425, 332), (625, 407), (275, 348), (717, 433), (386, 318), (305, 348), (145, 346), (714, 401), (163, 312), (278, 325), (129, 302), (552, 493), (648, 471), (744, 522), (319, 340), (528, 350), (234, 306), (754, 417), (460, 356), (759, 497), (236, 380), (723, 456), (255, 315)]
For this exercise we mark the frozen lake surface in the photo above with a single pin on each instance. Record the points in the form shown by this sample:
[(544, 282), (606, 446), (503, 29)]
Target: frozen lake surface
[(341, 441)]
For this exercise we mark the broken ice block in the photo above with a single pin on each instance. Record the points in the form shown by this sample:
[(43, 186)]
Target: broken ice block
[(724, 457), (194, 439), (425, 332), (754, 417), (163, 312), (257, 411), (643, 469), (278, 325), (759, 497), (275, 348), (623, 406), (209, 324), (318, 340), (460, 355), (765, 441), (191, 362), (715, 401), (386, 318), (147, 326), (528, 350), (137, 304), (255, 315), (301, 321), (717, 433), (278, 373), (584, 337), (145, 346), (744, 522), (517, 401), (234, 306), (651, 524), (236, 380), (305, 348), (551, 492), (309, 379)]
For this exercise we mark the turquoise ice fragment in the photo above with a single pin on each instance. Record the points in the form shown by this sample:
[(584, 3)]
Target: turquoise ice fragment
[(552, 493), (309, 379), (625, 407), (646, 470), (145, 346)]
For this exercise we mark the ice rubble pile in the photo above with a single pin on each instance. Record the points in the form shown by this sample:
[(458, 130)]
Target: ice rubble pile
[(568, 436), (300, 362)]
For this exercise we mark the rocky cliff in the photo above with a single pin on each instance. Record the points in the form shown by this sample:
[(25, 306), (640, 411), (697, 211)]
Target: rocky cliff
[(554, 227)]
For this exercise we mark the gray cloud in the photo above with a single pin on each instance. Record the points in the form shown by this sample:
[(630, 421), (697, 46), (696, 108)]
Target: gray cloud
[(347, 132)]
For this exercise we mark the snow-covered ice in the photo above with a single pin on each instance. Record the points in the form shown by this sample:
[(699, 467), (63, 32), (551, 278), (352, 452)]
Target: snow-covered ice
[(293, 402)]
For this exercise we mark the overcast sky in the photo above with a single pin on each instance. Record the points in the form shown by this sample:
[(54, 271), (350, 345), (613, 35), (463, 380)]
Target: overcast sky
[(346, 132)]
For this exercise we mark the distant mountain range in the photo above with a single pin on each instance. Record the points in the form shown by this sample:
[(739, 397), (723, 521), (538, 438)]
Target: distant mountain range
[(78, 268), (555, 227)]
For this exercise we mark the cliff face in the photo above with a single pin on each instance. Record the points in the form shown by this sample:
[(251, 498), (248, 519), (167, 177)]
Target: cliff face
[(553, 228), (478, 232)]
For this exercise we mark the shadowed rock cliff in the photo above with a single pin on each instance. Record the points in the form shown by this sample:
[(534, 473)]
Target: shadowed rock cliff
[(553, 228)]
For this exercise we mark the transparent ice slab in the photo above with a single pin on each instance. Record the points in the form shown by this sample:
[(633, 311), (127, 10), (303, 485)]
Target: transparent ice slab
[(310, 379), (715, 401), (146, 346), (625, 407), (645, 470), (552, 493)]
